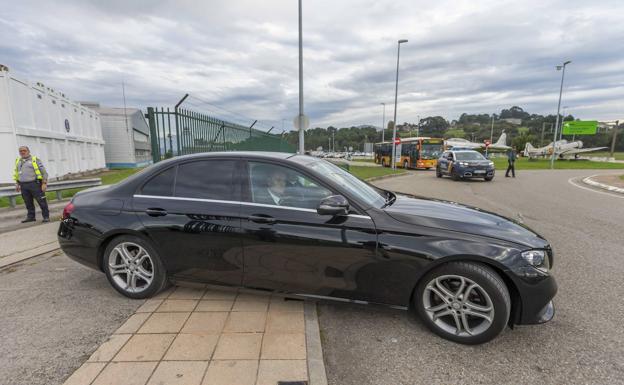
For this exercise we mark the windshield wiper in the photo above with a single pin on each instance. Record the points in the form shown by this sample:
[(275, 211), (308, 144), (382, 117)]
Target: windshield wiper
[(390, 200)]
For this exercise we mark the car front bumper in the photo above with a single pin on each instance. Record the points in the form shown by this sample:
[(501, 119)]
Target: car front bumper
[(536, 300), (471, 172)]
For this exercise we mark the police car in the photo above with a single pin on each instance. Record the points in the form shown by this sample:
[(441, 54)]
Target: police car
[(460, 164)]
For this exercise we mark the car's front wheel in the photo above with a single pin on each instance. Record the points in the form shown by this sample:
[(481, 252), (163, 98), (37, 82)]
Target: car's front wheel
[(438, 172), (133, 267), (463, 302)]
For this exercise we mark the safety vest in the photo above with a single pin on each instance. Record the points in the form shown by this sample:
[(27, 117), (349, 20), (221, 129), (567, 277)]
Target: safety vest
[(35, 167)]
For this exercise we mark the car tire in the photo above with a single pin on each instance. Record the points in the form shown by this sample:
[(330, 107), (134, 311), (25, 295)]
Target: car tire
[(438, 172), (141, 277), (488, 178), (483, 292), (455, 175)]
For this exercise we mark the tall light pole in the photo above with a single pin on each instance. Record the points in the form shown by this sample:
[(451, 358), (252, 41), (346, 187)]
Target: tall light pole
[(562, 69), (383, 122), (396, 94), (563, 116), (301, 128), (418, 126)]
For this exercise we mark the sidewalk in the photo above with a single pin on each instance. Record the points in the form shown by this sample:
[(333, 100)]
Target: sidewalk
[(10, 218), (204, 336), (27, 242)]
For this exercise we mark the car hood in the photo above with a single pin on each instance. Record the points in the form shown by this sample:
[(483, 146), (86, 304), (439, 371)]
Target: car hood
[(457, 217)]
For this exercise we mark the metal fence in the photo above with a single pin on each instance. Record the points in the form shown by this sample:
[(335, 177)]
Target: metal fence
[(180, 132)]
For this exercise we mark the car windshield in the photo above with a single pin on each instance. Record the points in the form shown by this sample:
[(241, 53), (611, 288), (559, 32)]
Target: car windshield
[(355, 186), (468, 155), (431, 151)]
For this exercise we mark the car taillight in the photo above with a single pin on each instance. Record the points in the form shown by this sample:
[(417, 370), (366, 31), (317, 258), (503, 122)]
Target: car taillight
[(68, 210)]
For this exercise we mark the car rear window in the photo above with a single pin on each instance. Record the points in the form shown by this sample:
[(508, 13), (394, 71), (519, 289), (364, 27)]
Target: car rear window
[(206, 179)]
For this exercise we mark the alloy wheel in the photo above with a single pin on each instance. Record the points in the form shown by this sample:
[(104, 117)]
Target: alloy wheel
[(458, 305), (131, 267)]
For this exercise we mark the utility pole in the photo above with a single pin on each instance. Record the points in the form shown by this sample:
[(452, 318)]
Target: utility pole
[(542, 137), (396, 94), (301, 128), (615, 130), (383, 122), (554, 153)]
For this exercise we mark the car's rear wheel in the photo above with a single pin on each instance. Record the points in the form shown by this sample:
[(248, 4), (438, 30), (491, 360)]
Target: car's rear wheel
[(438, 172), (463, 302), (133, 267)]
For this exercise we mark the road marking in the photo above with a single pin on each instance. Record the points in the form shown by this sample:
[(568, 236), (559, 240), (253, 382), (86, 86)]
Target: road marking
[(571, 181)]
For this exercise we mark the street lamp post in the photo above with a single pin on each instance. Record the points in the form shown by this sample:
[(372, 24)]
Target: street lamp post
[(562, 69), (301, 136), (383, 122), (563, 116), (396, 94)]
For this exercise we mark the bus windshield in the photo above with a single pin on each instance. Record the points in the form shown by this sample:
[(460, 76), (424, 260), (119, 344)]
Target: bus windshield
[(431, 150)]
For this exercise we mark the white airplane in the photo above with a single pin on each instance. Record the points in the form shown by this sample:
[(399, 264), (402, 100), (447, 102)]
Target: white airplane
[(562, 148), (500, 145)]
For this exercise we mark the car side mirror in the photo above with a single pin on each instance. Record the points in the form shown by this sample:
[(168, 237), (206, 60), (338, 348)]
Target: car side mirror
[(333, 205)]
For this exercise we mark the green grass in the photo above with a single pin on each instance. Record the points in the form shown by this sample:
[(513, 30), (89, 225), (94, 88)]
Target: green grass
[(365, 172), (367, 160), (544, 164), (108, 177), (605, 154)]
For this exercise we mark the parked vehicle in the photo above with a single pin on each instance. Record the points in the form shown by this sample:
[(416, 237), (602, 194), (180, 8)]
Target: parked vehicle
[(299, 224), (462, 164)]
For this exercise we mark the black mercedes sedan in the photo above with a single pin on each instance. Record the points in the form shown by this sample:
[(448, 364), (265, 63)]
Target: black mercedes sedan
[(300, 225)]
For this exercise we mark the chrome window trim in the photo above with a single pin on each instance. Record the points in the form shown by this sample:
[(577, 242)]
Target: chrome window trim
[(239, 203)]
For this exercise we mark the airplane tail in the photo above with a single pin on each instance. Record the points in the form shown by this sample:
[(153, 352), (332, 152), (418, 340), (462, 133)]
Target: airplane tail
[(502, 141), (528, 148)]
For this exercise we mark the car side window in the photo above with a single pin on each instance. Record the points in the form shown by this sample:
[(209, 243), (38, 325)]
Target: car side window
[(282, 186), (206, 179), (161, 184)]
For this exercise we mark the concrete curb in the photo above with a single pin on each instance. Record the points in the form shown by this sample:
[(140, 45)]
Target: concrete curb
[(24, 255), (386, 176), (316, 365), (589, 181)]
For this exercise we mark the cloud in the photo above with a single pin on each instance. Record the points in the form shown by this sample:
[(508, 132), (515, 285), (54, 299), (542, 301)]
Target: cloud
[(462, 56)]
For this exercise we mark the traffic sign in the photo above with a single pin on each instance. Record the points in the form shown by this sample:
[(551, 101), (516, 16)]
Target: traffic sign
[(487, 143), (580, 127), (305, 121), (397, 140)]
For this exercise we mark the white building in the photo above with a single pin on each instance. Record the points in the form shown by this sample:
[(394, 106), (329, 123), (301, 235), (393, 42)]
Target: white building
[(64, 134), (126, 134)]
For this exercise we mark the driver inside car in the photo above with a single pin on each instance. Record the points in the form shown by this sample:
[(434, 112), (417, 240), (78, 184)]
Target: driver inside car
[(275, 189)]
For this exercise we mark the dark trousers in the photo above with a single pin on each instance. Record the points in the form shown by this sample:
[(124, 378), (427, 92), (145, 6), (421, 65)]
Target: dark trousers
[(32, 190), (511, 168)]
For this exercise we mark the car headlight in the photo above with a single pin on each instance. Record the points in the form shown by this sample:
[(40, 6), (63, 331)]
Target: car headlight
[(463, 164), (536, 258), (491, 164)]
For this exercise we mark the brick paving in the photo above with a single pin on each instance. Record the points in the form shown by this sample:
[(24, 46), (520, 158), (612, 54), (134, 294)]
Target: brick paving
[(192, 336)]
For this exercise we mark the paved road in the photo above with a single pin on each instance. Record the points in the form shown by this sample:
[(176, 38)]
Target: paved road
[(584, 344), (53, 314)]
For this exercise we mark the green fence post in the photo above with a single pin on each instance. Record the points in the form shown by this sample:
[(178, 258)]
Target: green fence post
[(153, 135)]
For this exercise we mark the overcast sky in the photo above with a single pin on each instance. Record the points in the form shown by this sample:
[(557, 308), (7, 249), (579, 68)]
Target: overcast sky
[(241, 55)]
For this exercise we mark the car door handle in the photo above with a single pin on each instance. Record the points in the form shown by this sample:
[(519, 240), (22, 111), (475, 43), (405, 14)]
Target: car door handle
[(156, 212), (261, 219)]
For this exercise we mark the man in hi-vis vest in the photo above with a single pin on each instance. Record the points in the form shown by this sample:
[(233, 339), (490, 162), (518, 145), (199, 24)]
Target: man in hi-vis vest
[(31, 179)]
